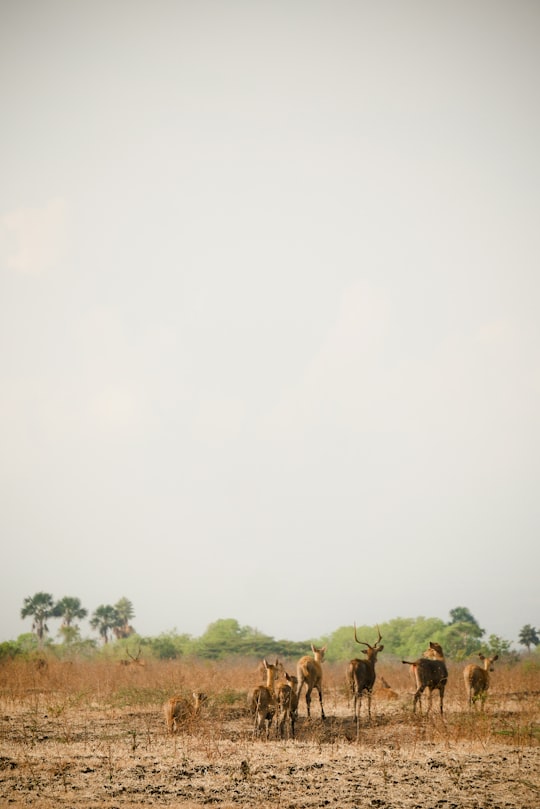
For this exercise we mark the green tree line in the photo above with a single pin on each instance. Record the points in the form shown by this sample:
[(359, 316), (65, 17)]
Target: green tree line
[(460, 637)]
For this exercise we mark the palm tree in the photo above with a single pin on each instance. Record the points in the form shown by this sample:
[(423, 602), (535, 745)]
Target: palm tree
[(40, 607), (69, 609), (529, 637), (124, 611), (103, 619)]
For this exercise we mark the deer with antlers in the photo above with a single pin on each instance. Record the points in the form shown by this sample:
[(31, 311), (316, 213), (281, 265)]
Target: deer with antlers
[(477, 679), (361, 674), (181, 712), (309, 671), (262, 700), (287, 704), (133, 661), (430, 672)]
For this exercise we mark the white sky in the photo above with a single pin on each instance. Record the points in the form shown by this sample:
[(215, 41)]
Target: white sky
[(269, 294)]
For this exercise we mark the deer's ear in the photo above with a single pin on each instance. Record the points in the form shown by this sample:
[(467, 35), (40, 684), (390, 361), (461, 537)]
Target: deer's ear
[(381, 648), (495, 658), (481, 656)]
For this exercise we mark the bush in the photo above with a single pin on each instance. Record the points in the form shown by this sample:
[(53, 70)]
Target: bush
[(9, 650)]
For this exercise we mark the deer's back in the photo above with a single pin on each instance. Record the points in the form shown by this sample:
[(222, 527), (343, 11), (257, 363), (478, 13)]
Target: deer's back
[(178, 707), (361, 674), (476, 678), (308, 670), (262, 699), (284, 697), (431, 673)]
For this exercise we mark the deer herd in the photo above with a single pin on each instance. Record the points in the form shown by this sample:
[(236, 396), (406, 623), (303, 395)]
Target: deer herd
[(267, 701)]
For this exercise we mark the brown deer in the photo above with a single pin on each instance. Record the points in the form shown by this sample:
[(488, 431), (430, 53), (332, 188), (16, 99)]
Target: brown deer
[(361, 674), (477, 679), (430, 672), (385, 691), (309, 671), (262, 700), (287, 704), (180, 712)]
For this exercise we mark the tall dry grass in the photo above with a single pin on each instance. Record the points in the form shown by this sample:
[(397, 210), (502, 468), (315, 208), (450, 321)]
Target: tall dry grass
[(74, 698)]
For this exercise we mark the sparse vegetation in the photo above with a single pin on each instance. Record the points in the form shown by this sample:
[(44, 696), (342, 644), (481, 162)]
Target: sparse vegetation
[(84, 733), (82, 725)]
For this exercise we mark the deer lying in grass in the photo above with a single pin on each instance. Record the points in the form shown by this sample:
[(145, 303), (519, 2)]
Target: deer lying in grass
[(180, 712), (477, 679), (430, 672), (361, 674), (287, 704), (385, 691), (262, 700), (309, 671)]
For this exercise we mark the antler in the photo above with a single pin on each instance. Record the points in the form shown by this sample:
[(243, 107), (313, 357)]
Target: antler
[(356, 638), (365, 643)]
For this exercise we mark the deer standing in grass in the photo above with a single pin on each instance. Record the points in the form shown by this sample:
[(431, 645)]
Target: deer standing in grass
[(262, 700), (133, 661), (430, 672), (287, 704), (180, 713), (361, 675), (309, 671), (477, 679)]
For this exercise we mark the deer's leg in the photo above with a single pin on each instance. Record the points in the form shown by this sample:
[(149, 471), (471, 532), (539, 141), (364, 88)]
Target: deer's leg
[(357, 711), (430, 699), (319, 689), (281, 726), (299, 692), (417, 696), (308, 702)]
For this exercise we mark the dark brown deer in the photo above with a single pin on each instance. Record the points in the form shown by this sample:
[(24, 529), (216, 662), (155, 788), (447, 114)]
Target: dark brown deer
[(477, 679), (180, 712), (287, 704), (361, 674), (262, 700), (309, 671), (430, 672)]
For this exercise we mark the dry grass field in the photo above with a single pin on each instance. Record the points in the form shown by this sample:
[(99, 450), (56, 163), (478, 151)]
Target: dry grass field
[(91, 734)]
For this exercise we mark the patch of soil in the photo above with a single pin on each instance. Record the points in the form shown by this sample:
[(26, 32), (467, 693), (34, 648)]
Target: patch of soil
[(124, 758)]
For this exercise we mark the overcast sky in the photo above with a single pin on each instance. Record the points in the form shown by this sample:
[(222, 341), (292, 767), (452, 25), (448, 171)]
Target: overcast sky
[(269, 311)]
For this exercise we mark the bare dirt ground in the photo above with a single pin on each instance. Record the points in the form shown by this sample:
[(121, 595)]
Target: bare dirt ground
[(81, 747)]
